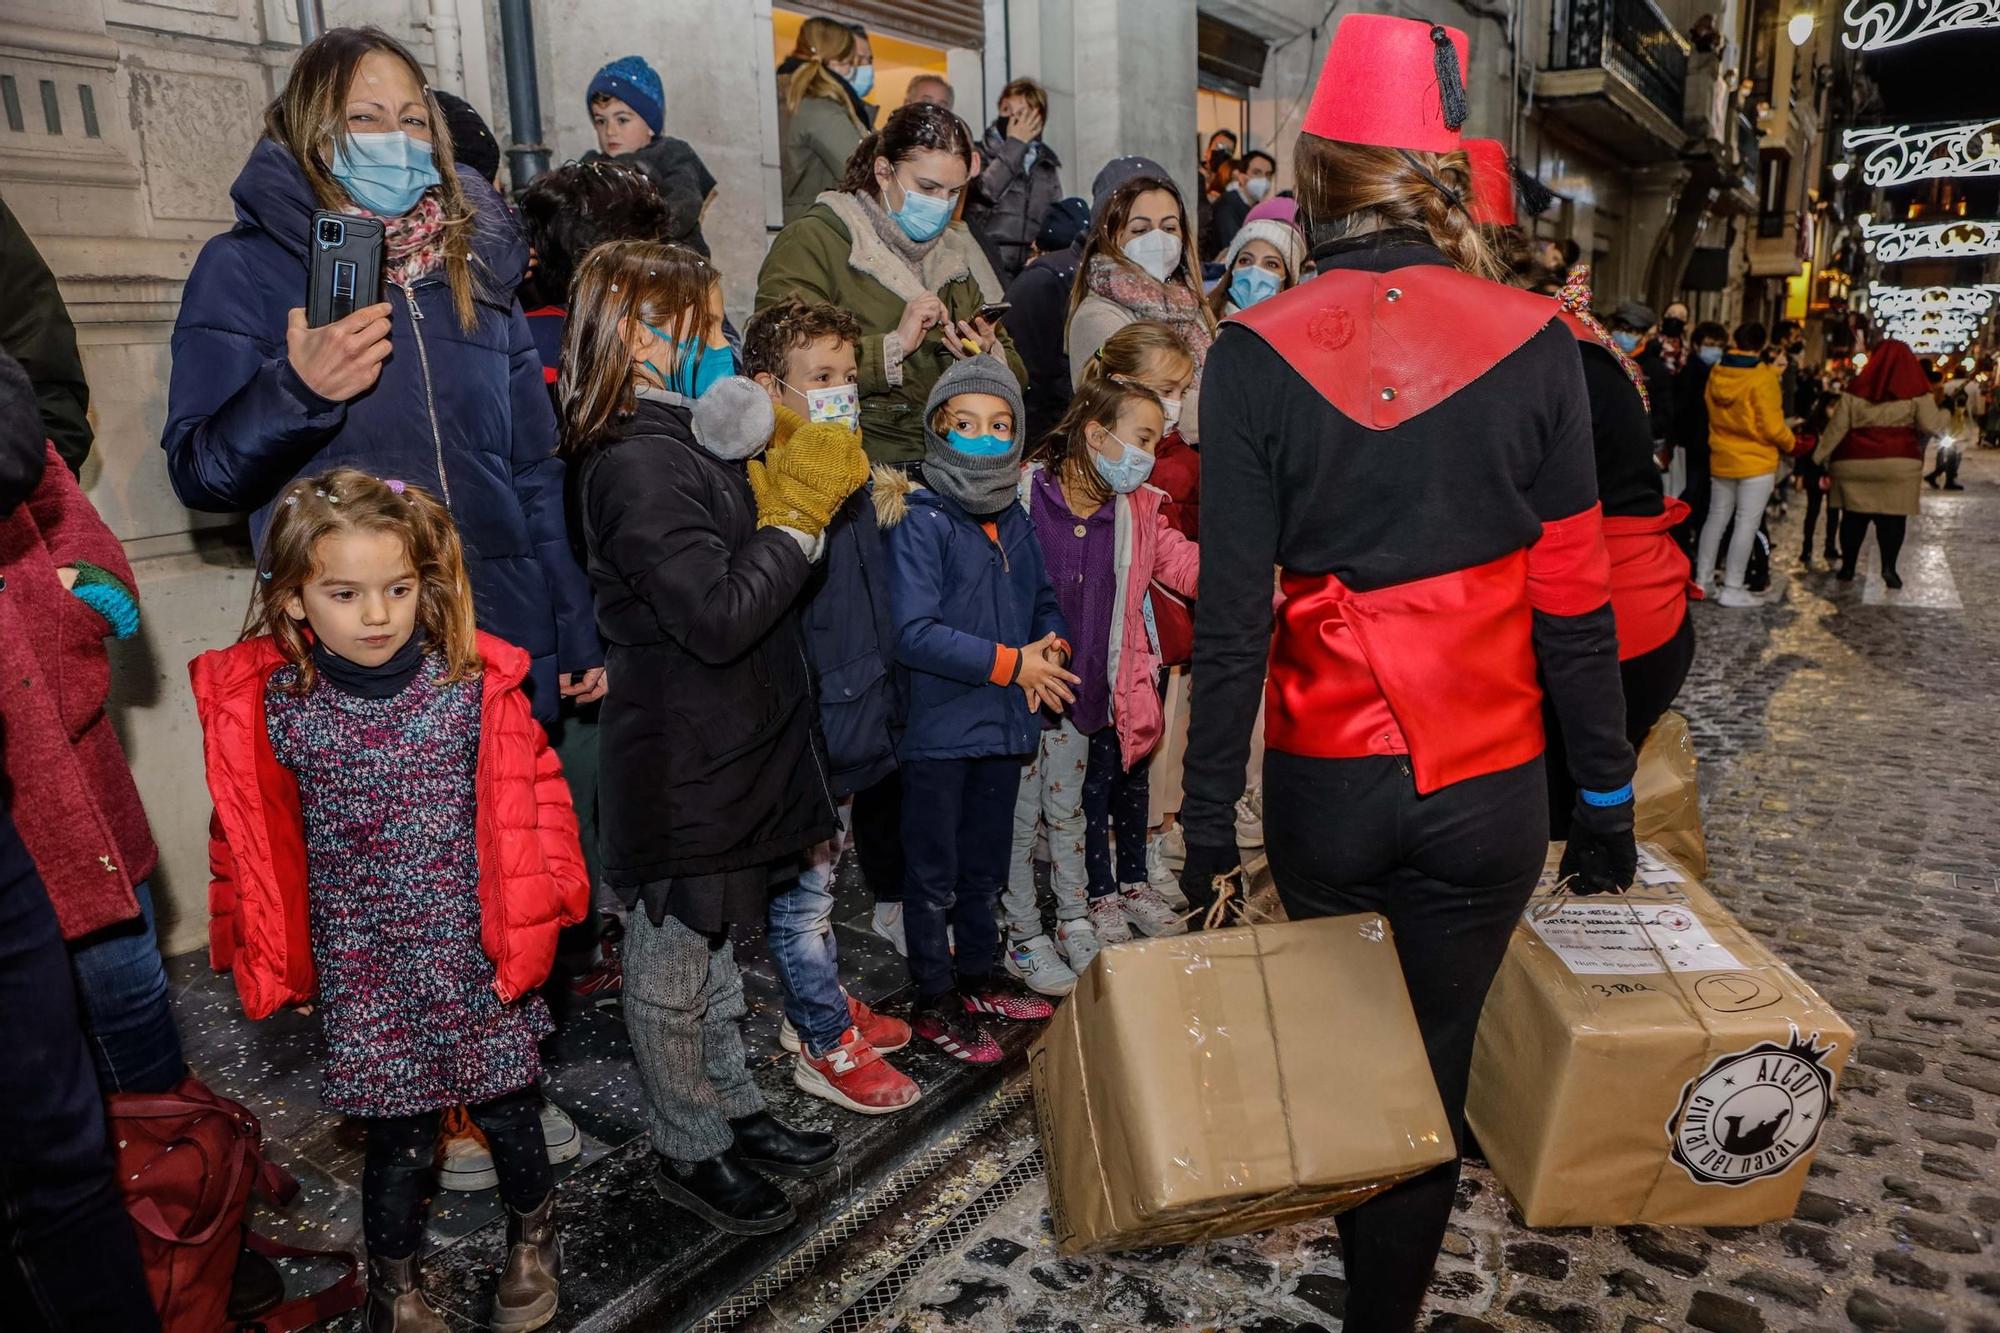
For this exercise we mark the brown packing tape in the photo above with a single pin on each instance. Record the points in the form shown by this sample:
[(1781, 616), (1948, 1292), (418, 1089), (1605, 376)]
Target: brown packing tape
[(1594, 1081)]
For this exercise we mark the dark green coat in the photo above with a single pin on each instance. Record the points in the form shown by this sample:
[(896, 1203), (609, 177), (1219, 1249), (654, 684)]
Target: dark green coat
[(817, 258)]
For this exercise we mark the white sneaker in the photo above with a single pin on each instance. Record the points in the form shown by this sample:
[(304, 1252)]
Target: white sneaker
[(1107, 917), (1035, 963), (1078, 943), (1149, 912), (1163, 878), (1250, 818), (1737, 597), (468, 1162), (888, 923)]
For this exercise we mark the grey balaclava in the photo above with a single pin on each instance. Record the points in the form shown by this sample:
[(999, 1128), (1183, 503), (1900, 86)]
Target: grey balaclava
[(980, 484)]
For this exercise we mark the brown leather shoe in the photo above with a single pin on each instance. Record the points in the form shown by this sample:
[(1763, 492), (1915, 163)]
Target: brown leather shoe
[(396, 1301), (530, 1284)]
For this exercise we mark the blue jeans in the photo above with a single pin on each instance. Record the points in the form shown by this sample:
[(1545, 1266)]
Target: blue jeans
[(800, 937), (68, 1255), (958, 829), (1114, 798), (121, 985)]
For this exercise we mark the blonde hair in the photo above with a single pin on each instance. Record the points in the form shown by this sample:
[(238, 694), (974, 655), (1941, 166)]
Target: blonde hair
[(617, 283), (1351, 189), (346, 500), (309, 117), (1127, 354), (820, 40)]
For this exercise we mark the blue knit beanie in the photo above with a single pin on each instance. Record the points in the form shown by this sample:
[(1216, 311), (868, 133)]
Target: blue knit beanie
[(635, 83)]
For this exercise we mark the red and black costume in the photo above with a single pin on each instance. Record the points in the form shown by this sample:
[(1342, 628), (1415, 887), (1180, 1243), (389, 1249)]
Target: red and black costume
[(1411, 447)]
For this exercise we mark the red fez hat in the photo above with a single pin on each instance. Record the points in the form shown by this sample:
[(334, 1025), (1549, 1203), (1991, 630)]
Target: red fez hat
[(1492, 184), (1394, 82)]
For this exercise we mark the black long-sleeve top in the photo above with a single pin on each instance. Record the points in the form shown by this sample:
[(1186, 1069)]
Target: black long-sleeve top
[(1287, 480), (1628, 480)]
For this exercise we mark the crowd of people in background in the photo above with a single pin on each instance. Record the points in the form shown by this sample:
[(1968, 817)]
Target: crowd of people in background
[(589, 632)]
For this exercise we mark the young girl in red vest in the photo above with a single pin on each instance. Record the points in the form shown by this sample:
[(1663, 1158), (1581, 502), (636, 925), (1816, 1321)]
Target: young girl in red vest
[(393, 842)]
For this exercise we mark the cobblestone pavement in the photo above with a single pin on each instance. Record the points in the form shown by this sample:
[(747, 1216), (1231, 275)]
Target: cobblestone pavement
[(1850, 750)]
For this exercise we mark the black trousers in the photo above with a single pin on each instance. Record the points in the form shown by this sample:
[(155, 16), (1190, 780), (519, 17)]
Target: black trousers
[(68, 1256), (1652, 682), (1452, 872), (1889, 532), (877, 827), (1815, 499), (396, 1173)]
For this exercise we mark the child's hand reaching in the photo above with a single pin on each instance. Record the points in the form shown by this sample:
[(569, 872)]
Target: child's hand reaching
[(1042, 677)]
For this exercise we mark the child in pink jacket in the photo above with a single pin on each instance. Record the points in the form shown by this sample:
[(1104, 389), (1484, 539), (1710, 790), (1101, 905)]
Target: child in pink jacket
[(1105, 542)]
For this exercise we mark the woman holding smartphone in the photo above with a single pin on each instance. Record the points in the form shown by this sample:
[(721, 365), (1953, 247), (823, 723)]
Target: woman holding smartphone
[(259, 397), (884, 247)]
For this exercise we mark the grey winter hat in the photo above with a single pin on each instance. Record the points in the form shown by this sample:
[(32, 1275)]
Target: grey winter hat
[(979, 483), (1635, 315), (1115, 173)]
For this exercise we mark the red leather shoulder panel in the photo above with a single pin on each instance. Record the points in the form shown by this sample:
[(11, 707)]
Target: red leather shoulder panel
[(1384, 348)]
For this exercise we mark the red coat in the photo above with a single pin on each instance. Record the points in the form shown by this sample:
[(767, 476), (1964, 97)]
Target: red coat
[(1177, 471), (70, 790), (531, 876)]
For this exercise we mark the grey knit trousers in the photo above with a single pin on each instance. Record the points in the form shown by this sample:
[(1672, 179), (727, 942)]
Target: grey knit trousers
[(684, 1009)]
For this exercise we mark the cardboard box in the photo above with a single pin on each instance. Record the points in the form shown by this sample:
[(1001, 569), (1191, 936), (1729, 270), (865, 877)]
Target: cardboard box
[(1667, 795), (1642, 1058), (1230, 1081)]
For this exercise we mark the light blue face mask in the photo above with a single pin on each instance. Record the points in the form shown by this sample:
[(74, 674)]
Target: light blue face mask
[(699, 367), (922, 217), (384, 173), (1709, 353), (862, 80), (1127, 472), (1624, 341), (1248, 286), (988, 445)]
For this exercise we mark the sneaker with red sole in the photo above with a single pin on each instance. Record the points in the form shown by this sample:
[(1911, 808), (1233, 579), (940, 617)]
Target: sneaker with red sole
[(854, 1075), (603, 985), (884, 1033), (947, 1022), (1004, 999)]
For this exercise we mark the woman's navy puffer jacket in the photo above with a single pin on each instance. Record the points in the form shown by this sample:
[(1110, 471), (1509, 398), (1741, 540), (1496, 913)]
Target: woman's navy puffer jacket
[(462, 412)]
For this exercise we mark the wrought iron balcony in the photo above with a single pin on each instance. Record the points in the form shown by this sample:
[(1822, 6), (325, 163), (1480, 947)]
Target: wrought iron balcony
[(1624, 53)]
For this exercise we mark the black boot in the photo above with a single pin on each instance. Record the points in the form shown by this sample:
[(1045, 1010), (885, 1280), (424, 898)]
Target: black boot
[(1892, 579), (725, 1193), (256, 1288), (769, 1144)]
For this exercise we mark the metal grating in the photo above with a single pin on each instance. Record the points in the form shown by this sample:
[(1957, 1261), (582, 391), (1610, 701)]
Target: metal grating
[(893, 1189), (873, 1303)]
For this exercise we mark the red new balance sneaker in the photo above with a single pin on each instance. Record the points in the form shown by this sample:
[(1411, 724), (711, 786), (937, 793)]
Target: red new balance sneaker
[(854, 1075)]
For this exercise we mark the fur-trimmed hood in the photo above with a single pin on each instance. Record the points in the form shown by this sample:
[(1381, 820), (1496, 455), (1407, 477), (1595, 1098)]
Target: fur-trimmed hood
[(890, 487), (955, 255)]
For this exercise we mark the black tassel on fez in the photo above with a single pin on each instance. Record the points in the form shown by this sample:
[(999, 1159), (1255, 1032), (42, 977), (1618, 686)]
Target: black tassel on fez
[(1535, 196), (1451, 85)]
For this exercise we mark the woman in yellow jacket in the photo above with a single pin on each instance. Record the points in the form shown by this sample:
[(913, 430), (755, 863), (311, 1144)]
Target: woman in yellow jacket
[(1747, 435)]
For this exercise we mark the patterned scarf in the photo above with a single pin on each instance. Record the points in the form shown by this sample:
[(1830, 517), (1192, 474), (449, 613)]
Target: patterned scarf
[(1574, 298), (1170, 303), (413, 244)]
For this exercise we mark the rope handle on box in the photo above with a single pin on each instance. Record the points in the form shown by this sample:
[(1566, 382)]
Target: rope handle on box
[(1232, 894)]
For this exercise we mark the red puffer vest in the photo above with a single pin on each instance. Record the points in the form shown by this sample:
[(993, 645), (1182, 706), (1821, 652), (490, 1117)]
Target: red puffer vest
[(532, 880)]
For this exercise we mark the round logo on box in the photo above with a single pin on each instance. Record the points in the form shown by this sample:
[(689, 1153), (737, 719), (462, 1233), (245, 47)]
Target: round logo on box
[(1754, 1113)]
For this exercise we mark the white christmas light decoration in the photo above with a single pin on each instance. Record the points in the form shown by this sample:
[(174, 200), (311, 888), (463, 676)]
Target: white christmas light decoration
[(1900, 154), (1799, 27), (1839, 171), (1893, 242), (1886, 300), (1877, 24)]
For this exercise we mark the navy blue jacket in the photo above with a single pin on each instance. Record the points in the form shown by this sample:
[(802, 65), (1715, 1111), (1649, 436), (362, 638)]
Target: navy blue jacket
[(462, 412), (956, 595), (850, 640)]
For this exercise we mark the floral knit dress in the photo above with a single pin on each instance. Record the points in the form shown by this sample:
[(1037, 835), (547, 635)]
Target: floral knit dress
[(405, 992)]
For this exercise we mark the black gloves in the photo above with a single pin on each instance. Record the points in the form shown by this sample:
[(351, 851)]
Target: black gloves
[(1601, 856), (1198, 875)]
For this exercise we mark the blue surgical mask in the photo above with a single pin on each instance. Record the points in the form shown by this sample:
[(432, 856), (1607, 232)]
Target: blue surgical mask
[(988, 445), (384, 173), (1625, 341), (1248, 286), (1126, 473), (862, 80), (699, 367), (923, 217), (1709, 353)]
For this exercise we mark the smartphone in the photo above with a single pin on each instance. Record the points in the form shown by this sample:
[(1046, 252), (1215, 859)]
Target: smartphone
[(345, 271), (993, 310)]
